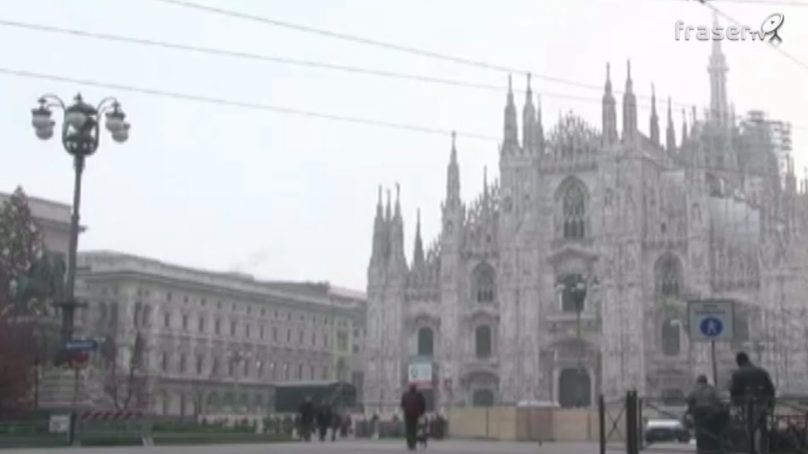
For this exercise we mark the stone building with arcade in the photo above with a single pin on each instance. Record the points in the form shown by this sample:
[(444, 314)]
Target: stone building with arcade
[(570, 275)]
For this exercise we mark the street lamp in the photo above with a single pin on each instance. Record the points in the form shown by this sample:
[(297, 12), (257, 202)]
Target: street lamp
[(80, 137), (238, 359), (578, 293), (575, 288)]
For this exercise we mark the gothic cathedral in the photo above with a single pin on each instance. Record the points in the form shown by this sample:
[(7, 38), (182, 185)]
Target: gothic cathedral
[(570, 276)]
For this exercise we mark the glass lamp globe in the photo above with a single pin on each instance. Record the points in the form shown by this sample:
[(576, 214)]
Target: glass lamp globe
[(122, 134), (75, 118), (40, 117), (115, 121), (45, 132)]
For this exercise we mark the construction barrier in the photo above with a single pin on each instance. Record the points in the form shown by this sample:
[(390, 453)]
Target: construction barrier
[(30, 433), (616, 423), (91, 415), (113, 427)]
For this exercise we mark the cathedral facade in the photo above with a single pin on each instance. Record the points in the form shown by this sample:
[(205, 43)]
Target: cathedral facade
[(570, 276)]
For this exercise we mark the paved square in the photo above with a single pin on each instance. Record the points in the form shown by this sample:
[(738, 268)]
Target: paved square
[(364, 447)]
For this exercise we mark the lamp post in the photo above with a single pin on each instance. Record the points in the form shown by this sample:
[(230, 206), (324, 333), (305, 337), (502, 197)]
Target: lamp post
[(579, 294), (576, 288), (81, 133), (237, 360)]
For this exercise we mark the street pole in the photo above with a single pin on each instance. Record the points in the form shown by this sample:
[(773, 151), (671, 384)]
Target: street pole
[(715, 366), (579, 293), (235, 361), (580, 354), (70, 304)]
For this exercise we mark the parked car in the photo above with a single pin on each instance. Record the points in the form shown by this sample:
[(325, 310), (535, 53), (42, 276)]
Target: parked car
[(662, 430)]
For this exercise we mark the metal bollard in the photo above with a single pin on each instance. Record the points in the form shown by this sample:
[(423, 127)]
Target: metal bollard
[(602, 423)]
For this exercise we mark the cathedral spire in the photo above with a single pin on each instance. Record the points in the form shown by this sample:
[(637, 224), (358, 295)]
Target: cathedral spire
[(418, 250), (654, 129), (609, 111), (453, 177), (485, 183), (379, 205), (670, 135), (791, 178), (379, 232), (805, 180), (629, 108), (718, 81), (539, 127), (397, 258), (529, 121), (684, 127), (387, 213), (398, 201), (510, 138)]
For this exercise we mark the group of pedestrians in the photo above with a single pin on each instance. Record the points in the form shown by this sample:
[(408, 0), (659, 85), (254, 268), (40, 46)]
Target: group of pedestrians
[(322, 418), (751, 391)]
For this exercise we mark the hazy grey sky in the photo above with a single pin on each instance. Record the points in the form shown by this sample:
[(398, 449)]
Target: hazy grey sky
[(288, 197)]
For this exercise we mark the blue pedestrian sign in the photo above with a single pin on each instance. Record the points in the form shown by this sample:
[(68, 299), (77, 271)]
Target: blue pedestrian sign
[(81, 345), (711, 320), (711, 326)]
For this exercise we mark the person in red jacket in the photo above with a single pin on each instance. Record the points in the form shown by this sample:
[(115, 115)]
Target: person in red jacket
[(413, 405)]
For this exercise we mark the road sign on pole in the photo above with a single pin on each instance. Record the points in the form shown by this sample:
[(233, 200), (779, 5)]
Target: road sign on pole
[(711, 320), (81, 345)]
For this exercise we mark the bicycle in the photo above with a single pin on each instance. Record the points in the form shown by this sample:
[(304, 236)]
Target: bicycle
[(755, 416)]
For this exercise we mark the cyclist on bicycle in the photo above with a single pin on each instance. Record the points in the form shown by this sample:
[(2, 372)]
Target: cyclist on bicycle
[(752, 389)]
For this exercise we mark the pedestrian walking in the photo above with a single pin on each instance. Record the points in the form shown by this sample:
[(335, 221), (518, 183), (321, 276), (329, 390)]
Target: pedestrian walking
[(335, 424), (413, 405), (752, 389), (345, 426), (706, 409), (306, 415), (324, 419)]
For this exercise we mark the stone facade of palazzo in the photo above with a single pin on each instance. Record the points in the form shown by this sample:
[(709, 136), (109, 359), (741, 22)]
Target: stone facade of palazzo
[(212, 343)]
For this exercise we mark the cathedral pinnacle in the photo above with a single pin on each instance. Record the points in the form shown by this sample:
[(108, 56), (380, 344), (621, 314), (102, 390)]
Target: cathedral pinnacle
[(398, 201), (539, 127), (418, 252), (379, 207), (684, 127), (380, 235), (453, 177), (387, 210), (629, 82), (510, 130), (609, 111), (485, 182), (629, 108), (718, 81), (670, 135), (529, 135), (654, 129)]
